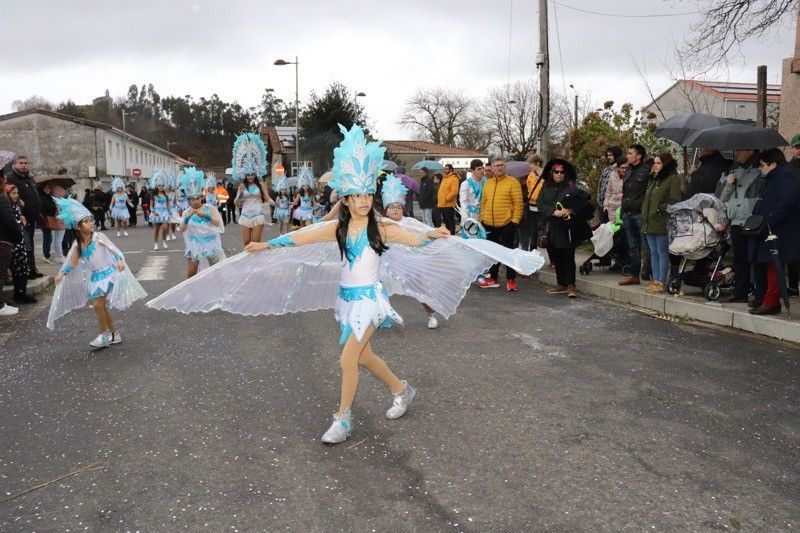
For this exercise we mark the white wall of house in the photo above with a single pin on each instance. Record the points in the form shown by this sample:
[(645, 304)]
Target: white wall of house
[(139, 155), (685, 98)]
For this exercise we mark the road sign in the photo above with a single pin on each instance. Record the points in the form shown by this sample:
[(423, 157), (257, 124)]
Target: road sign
[(137, 172)]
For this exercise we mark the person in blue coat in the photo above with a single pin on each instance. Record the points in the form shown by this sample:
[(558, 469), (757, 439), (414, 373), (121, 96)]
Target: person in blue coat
[(779, 204)]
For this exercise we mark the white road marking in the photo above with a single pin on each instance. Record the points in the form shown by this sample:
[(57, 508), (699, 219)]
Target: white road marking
[(153, 268)]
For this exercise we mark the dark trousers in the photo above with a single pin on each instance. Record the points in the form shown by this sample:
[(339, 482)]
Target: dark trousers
[(5, 263), (504, 236), (448, 215), (529, 231), (437, 217), (30, 229), (741, 262), (47, 241), (132, 216), (632, 222), (564, 260), (99, 218), (66, 244), (794, 275), (230, 213)]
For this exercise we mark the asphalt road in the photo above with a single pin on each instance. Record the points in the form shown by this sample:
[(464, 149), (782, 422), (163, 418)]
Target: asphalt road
[(534, 413)]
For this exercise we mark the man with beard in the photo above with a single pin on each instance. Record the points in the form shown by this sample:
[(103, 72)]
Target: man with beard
[(20, 175)]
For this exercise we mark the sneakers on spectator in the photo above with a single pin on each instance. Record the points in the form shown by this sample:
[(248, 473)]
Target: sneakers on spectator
[(511, 285), (340, 429), (558, 289), (654, 288), (630, 280), (8, 310), (571, 291), (489, 283)]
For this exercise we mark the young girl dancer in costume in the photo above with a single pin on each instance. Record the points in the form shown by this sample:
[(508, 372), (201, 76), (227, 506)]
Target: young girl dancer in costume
[(201, 224), (343, 265), (283, 205), (174, 212), (248, 165), (119, 206), (160, 208), (94, 272), (304, 201)]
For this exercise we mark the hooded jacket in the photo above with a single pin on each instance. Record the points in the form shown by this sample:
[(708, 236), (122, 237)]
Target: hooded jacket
[(663, 190), (562, 233), (740, 198)]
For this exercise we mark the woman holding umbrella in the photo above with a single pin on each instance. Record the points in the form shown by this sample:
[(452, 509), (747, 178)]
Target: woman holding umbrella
[(778, 242)]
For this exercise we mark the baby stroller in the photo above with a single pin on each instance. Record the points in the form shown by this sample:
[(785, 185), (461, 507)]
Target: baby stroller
[(696, 229), (610, 249)]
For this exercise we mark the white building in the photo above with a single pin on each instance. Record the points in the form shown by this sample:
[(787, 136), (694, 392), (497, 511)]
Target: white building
[(90, 151), (722, 99)]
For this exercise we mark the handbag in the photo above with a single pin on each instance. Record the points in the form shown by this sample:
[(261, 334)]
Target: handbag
[(754, 226)]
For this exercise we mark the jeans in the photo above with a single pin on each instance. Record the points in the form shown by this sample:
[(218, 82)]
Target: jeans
[(659, 256), (633, 231), (58, 243), (30, 229), (427, 215), (564, 261), (47, 240), (504, 236)]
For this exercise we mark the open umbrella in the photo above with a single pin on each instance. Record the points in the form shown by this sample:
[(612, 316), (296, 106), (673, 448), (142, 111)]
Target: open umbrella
[(6, 157), (56, 179), (389, 166), (518, 169), (680, 127), (433, 166), (325, 178), (736, 136)]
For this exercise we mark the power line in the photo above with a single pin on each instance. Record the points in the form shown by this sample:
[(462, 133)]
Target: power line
[(598, 13)]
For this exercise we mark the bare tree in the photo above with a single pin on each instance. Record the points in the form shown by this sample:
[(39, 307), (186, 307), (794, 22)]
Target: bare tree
[(439, 114), (32, 102), (725, 24), (513, 112)]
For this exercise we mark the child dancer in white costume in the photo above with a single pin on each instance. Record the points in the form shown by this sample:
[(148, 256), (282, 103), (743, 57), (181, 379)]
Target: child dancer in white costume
[(94, 272), (201, 224), (160, 210), (119, 206), (343, 265), (283, 204)]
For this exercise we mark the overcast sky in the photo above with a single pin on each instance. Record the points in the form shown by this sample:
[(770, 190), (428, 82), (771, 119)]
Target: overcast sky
[(78, 49)]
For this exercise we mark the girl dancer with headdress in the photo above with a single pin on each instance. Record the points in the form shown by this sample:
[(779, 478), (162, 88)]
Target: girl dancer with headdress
[(283, 204), (248, 165), (343, 265), (160, 214), (201, 224), (119, 206), (94, 272), (304, 201)]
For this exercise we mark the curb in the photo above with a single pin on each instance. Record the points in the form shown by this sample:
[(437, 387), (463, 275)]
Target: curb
[(35, 286), (776, 327)]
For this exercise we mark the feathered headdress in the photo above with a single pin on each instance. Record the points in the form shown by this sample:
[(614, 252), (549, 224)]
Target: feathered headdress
[(280, 183), (305, 177), (211, 182), (159, 178), (393, 191), (172, 181), (356, 163), (249, 156), (71, 212), (117, 183), (192, 182)]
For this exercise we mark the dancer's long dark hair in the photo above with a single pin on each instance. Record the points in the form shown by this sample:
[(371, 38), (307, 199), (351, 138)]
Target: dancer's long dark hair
[(373, 230)]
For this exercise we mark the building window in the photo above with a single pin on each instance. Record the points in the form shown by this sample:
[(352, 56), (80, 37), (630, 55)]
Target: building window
[(110, 148)]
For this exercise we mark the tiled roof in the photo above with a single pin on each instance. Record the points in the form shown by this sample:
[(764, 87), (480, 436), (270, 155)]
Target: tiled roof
[(429, 148), (736, 91)]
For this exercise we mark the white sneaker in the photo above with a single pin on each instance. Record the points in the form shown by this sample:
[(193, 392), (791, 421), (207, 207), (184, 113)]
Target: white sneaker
[(155, 246), (119, 234), (432, 322), (8, 310), (126, 233), (102, 340), (116, 337), (340, 429), (401, 402), (46, 260), (164, 245)]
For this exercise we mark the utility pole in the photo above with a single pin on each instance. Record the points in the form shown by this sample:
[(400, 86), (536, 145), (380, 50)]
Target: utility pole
[(543, 64), (761, 97)]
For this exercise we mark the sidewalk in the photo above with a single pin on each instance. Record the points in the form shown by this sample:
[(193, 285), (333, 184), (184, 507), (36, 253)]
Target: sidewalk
[(689, 305)]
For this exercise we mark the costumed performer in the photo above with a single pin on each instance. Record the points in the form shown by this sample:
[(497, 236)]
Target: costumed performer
[(119, 206), (283, 204), (160, 207), (201, 224), (249, 166), (93, 272)]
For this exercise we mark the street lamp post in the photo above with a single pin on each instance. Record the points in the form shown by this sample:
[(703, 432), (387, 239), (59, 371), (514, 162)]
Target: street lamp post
[(296, 63), (576, 105), (124, 141)]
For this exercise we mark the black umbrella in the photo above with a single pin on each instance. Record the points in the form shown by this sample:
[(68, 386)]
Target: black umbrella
[(772, 242), (736, 136), (681, 127)]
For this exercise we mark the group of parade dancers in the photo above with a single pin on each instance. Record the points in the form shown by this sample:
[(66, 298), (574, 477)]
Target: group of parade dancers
[(350, 263)]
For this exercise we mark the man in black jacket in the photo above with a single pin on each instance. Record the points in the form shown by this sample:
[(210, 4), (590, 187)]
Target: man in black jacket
[(427, 196), (634, 185), (20, 176), (706, 176), (10, 235)]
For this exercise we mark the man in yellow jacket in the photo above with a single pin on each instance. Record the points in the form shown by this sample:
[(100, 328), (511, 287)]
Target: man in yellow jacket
[(448, 194), (501, 211)]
